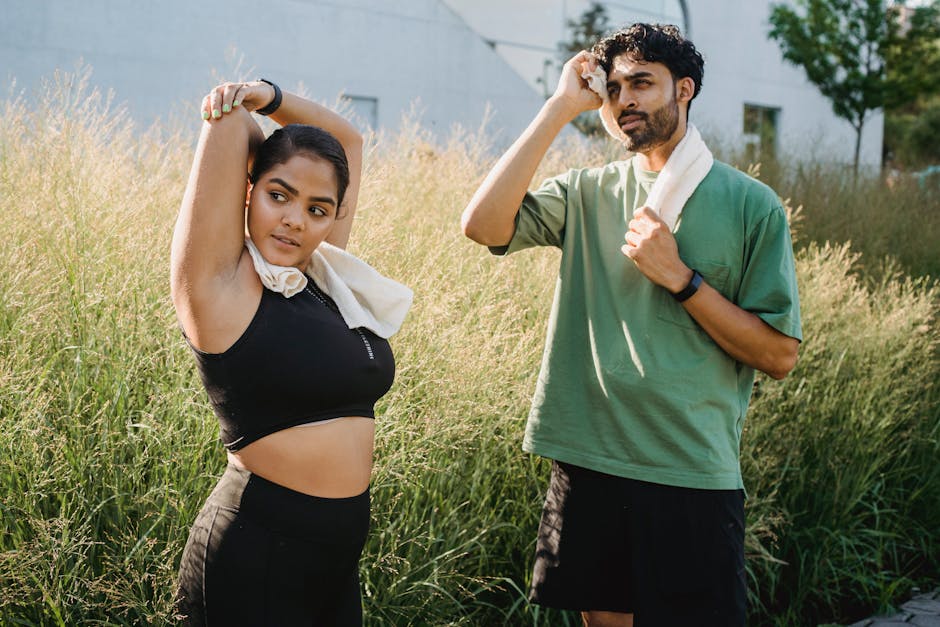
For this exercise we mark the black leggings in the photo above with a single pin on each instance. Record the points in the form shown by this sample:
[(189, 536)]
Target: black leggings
[(263, 554)]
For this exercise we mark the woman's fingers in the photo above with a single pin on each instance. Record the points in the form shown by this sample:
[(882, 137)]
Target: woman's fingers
[(229, 90), (215, 104), (227, 97), (223, 99), (206, 107)]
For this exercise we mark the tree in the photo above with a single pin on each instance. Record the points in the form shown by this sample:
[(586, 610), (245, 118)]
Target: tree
[(912, 138), (913, 55), (912, 102), (584, 32), (845, 47)]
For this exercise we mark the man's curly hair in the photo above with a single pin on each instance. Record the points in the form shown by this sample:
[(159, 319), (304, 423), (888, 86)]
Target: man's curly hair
[(654, 43)]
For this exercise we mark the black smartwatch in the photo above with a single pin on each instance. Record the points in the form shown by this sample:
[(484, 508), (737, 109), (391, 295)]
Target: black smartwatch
[(690, 289), (274, 104)]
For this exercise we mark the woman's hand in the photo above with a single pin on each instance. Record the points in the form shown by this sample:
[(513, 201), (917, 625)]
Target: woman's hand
[(226, 97)]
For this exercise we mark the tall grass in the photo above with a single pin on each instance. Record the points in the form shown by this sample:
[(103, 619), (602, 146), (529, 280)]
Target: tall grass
[(890, 225), (108, 447), (844, 454)]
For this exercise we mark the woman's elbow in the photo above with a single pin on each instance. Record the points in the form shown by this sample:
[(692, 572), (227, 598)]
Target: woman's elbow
[(353, 144), (356, 140)]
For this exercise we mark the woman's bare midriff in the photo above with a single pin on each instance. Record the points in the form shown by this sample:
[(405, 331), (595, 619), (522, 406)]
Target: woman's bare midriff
[(332, 460)]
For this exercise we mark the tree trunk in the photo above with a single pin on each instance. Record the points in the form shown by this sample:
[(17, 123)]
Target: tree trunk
[(858, 145)]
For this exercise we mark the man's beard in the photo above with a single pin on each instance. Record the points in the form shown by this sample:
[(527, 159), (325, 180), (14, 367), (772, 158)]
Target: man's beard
[(656, 130)]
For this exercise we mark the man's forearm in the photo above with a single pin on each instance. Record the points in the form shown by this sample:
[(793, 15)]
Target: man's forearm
[(744, 336), (741, 334), (489, 218)]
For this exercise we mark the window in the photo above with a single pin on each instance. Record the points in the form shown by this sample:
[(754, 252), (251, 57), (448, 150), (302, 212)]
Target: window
[(760, 132), (364, 110)]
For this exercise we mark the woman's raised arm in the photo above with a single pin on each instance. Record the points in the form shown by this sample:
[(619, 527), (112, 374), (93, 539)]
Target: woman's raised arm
[(210, 230)]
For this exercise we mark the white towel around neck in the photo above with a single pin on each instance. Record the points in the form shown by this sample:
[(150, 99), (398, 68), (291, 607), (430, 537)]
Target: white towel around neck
[(688, 164), (364, 297)]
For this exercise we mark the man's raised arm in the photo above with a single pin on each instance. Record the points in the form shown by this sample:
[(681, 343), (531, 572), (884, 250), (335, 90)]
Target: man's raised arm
[(489, 218)]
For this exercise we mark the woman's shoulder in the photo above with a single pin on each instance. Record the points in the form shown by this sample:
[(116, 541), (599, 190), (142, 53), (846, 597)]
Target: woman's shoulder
[(215, 314)]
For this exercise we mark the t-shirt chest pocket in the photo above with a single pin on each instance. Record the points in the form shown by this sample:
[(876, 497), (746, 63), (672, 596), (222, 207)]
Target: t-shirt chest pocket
[(717, 275)]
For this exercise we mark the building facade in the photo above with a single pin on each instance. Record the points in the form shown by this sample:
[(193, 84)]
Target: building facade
[(386, 59), (453, 61), (751, 99)]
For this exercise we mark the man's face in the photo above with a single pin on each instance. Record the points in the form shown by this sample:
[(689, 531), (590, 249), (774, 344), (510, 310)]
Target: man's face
[(641, 110)]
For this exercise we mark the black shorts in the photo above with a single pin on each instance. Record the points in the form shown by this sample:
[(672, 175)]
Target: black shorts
[(263, 554), (668, 555)]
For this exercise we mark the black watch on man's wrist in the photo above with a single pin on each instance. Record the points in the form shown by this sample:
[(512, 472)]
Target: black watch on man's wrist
[(685, 293)]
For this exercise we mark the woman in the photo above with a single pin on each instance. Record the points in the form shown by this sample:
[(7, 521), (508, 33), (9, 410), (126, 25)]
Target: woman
[(279, 539)]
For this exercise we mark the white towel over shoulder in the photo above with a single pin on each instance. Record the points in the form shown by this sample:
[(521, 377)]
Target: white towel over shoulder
[(364, 297), (684, 170)]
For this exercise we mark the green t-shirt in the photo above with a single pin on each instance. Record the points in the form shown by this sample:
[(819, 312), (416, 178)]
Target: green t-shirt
[(630, 384)]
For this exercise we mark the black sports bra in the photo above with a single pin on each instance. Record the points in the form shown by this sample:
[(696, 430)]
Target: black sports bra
[(297, 362)]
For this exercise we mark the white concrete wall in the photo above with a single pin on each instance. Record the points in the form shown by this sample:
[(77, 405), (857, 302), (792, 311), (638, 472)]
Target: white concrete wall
[(157, 54), (742, 65), (527, 32)]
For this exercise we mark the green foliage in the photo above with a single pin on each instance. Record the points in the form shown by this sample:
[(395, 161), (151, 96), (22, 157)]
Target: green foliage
[(839, 43), (912, 106), (891, 222), (844, 46), (848, 467), (108, 446), (912, 139), (590, 26), (913, 55)]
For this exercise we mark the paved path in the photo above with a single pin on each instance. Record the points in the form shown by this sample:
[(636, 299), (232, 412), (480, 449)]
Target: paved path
[(923, 610)]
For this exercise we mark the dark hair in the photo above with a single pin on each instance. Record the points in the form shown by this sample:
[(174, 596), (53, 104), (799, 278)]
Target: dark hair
[(302, 139), (654, 43)]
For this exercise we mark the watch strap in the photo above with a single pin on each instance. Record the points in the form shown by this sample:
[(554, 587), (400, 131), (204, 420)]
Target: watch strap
[(275, 103), (685, 293)]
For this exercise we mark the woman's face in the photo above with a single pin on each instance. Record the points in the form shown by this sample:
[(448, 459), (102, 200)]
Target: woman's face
[(291, 209)]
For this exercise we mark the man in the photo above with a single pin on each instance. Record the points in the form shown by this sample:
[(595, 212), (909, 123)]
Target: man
[(652, 344)]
